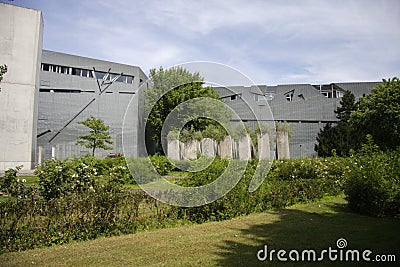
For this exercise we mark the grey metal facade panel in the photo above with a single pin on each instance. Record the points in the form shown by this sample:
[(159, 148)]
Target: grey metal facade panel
[(359, 89), (61, 81), (62, 96), (56, 109), (307, 112), (307, 104)]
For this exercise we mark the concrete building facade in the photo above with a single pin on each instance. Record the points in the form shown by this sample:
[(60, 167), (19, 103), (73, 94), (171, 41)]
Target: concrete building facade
[(21, 34)]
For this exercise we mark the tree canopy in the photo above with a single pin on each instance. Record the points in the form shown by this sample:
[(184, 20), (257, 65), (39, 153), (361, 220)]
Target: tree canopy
[(171, 87), (98, 137), (340, 136), (378, 114)]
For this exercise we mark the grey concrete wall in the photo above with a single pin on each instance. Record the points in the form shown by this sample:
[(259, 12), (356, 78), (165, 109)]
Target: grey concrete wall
[(21, 32)]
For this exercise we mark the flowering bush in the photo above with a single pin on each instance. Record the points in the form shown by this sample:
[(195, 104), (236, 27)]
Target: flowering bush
[(11, 185), (64, 177), (60, 178)]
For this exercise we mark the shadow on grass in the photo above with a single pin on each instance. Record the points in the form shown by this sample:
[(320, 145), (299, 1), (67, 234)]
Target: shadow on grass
[(301, 230)]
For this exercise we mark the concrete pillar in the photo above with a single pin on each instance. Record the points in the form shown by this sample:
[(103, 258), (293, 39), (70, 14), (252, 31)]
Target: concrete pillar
[(263, 146), (244, 147), (173, 150), (191, 149), (235, 149), (208, 147), (225, 147), (282, 143), (40, 155), (53, 152)]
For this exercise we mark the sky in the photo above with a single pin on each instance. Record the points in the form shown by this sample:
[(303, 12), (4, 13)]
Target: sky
[(271, 42)]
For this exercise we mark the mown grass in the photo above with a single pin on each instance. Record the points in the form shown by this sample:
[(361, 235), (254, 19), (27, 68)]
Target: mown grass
[(229, 243)]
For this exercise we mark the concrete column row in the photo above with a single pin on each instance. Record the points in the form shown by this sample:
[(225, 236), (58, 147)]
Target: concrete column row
[(228, 148)]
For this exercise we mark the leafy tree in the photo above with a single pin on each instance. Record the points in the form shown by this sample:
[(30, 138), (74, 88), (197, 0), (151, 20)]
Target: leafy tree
[(170, 88), (98, 136), (339, 137), (326, 141), (347, 105), (379, 115)]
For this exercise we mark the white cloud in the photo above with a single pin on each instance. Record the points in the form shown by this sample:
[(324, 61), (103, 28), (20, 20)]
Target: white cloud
[(270, 41)]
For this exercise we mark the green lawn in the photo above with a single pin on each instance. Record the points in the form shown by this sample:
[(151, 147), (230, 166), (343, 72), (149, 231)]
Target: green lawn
[(229, 243)]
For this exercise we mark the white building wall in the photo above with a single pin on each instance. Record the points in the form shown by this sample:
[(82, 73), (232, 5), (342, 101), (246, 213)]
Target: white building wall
[(21, 33)]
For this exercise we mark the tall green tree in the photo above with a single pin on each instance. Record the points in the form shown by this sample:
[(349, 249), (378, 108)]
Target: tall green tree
[(170, 88), (379, 115), (340, 136), (98, 137)]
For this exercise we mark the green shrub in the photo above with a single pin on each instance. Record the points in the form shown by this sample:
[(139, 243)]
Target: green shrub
[(162, 164), (73, 211), (64, 177), (11, 185), (142, 170), (60, 178), (288, 182), (373, 184), (27, 224)]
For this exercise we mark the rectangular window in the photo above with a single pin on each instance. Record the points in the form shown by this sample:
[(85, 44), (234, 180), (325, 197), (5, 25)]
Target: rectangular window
[(122, 79), (84, 73), (45, 67), (76, 71), (64, 70), (129, 79)]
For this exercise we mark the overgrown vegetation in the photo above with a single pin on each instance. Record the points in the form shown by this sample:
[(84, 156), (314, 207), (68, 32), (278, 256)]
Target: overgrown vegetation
[(81, 199), (373, 185)]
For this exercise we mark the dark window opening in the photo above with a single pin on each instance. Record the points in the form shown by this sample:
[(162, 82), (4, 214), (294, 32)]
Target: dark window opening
[(46, 67), (76, 71)]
